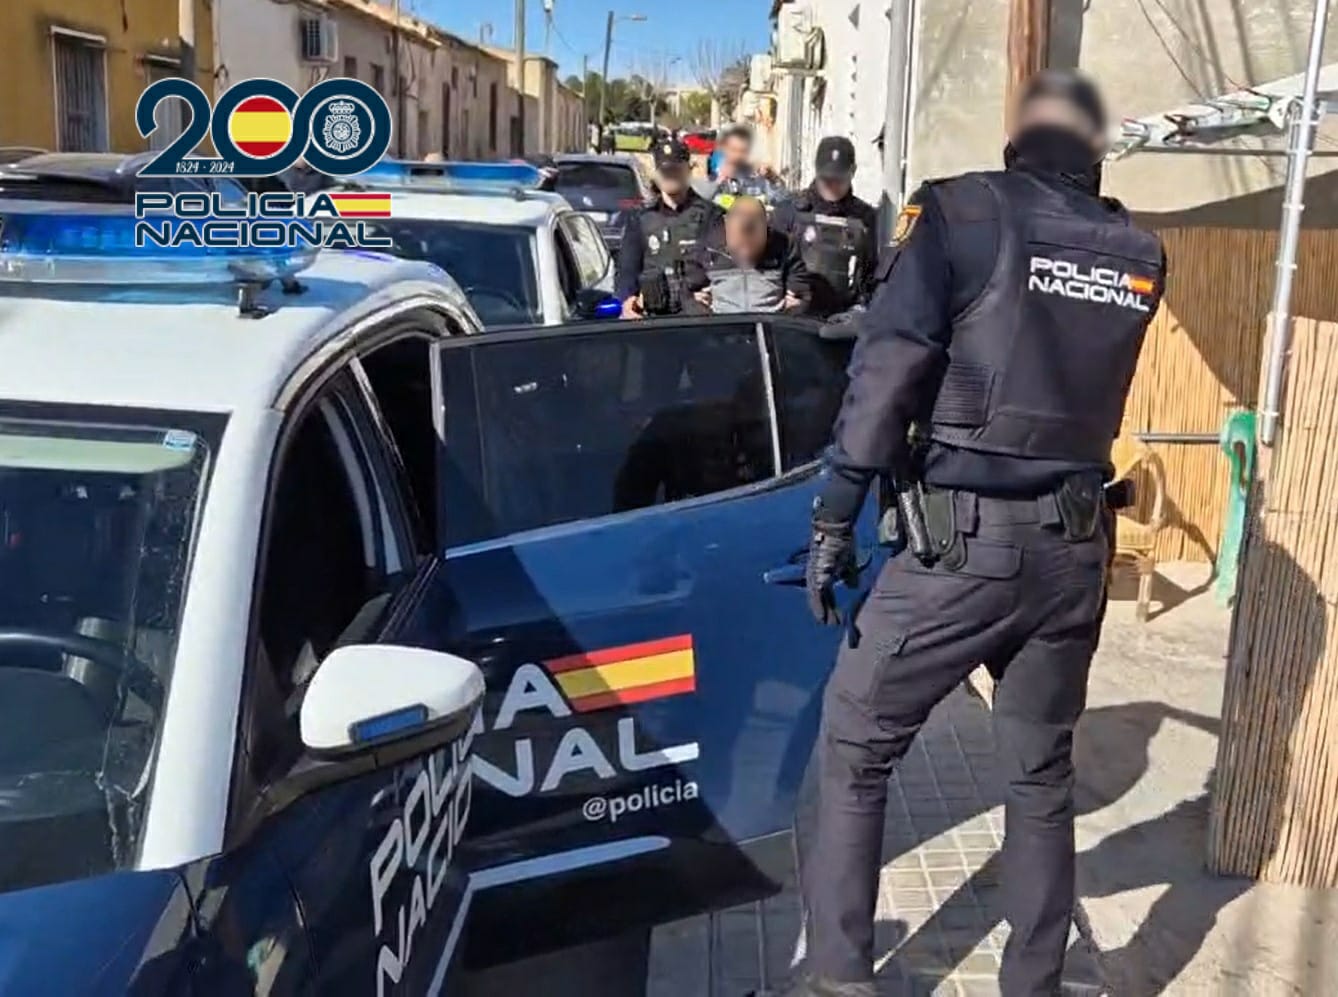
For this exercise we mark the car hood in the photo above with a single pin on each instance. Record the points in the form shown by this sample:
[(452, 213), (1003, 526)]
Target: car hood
[(95, 936)]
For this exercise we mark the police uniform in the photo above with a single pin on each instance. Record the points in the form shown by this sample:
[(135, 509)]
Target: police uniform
[(660, 235), (837, 238), (1007, 320)]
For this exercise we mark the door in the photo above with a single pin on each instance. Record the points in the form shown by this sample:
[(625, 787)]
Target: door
[(369, 861), (625, 516)]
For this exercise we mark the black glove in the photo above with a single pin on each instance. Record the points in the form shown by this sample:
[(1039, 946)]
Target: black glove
[(831, 558)]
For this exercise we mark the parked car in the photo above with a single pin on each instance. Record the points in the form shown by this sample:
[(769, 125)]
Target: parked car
[(700, 143), (604, 189), (101, 177)]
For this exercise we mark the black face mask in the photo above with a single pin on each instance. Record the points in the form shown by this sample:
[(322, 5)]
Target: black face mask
[(1051, 149)]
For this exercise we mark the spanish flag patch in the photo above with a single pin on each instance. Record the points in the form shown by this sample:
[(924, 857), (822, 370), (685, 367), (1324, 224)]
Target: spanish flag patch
[(905, 223), (631, 673)]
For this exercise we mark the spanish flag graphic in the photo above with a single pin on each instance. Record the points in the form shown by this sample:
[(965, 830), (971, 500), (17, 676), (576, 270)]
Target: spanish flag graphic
[(260, 126), (362, 205), (633, 673), (1142, 285)]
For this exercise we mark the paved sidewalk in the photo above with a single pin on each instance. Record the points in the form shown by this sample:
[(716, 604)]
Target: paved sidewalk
[(1153, 921)]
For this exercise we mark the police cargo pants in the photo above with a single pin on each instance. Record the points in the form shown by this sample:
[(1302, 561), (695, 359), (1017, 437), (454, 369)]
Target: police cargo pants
[(1026, 603)]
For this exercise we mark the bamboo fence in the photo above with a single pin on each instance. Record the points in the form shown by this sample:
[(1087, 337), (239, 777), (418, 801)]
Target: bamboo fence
[(1202, 359), (1275, 802)]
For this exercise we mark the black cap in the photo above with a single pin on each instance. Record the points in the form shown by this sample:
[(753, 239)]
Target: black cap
[(1069, 85), (671, 152), (836, 158)]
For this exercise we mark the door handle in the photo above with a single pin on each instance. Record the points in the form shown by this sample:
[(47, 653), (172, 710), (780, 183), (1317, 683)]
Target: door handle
[(793, 572)]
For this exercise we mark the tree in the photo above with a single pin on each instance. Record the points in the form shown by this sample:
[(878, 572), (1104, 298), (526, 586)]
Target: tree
[(574, 83), (695, 109), (721, 69)]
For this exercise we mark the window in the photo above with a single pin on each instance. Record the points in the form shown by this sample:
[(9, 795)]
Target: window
[(579, 426), (492, 116), (455, 77), (379, 79), (424, 126), (493, 264), (569, 274), (98, 517), (598, 186), (587, 248), (350, 67), (810, 383), (81, 95), (400, 375), (446, 120), (323, 578)]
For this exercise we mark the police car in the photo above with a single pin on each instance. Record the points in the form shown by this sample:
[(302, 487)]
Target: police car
[(252, 538), (521, 255)]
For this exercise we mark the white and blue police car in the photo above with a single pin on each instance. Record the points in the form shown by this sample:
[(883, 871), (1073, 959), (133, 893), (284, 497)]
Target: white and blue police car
[(262, 527), (227, 762), (521, 255)]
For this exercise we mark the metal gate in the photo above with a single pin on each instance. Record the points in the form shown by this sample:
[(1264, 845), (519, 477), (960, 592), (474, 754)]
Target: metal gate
[(81, 93)]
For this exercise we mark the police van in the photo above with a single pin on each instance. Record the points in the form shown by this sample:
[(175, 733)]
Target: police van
[(521, 255), (284, 556)]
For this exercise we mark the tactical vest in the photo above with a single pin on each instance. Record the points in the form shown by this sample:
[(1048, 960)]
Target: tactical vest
[(832, 247), (668, 239), (1040, 363)]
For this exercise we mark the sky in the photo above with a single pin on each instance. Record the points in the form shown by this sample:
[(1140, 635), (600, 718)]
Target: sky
[(672, 28)]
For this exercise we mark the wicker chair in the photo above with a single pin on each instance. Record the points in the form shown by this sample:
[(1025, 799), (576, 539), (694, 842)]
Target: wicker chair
[(1136, 536)]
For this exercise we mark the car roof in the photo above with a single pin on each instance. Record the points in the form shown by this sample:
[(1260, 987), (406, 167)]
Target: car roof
[(75, 165), (530, 210), (612, 159), (187, 347)]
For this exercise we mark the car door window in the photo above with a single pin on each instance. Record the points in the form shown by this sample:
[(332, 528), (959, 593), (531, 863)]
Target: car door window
[(569, 273), (810, 383), (588, 252), (324, 576), (587, 424)]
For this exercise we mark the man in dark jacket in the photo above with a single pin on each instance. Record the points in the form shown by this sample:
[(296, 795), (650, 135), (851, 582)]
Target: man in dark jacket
[(746, 266)]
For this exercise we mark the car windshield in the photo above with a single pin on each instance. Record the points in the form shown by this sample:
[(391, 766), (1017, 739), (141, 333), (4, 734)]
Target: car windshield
[(96, 528), (597, 186), (493, 264)]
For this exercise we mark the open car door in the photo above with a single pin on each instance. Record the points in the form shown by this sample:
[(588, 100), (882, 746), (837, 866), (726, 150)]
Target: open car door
[(625, 510)]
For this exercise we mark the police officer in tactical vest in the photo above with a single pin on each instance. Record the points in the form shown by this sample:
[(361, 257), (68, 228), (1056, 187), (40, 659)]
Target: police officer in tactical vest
[(1005, 326), (834, 230), (660, 236)]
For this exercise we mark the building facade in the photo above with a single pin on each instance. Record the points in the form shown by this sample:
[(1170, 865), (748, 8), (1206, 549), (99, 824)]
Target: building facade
[(555, 115), (74, 69), (1149, 59)]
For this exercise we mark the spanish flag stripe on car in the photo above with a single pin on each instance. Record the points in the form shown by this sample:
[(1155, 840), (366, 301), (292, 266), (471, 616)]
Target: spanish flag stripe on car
[(632, 673)]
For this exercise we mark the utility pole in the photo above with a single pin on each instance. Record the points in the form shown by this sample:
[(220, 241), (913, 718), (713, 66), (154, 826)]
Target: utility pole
[(399, 89), (604, 81), (585, 100), (186, 38), (520, 73), (1028, 46)]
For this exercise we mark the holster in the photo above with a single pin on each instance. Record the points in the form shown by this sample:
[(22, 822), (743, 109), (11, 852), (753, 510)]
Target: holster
[(940, 512), (1081, 503)]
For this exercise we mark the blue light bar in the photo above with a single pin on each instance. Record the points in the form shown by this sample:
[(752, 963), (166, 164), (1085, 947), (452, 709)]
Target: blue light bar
[(609, 308), (80, 244), (453, 178)]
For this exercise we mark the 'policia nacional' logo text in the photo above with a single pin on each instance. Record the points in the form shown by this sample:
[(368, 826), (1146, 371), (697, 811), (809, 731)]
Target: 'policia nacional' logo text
[(1099, 285)]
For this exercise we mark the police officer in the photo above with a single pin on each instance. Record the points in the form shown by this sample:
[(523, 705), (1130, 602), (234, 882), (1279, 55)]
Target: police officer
[(834, 229), (1007, 322), (661, 235)]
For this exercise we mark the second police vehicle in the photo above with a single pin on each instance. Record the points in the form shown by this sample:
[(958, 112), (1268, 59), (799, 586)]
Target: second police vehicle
[(521, 255), (283, 560)]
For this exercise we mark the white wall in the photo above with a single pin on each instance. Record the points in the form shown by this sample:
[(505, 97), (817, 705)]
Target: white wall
[(258, 38)]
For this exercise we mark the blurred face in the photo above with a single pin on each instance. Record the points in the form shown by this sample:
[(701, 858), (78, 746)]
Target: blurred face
[(833, 188), (1056, 112), (746, 231), (673, 178), (734, 151)]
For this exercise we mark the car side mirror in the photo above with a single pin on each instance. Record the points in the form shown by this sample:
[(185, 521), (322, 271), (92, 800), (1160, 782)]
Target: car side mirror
[(368, 696), (595, 302)]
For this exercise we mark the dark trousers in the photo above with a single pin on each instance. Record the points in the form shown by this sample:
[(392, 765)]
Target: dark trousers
[(1028, 605)]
